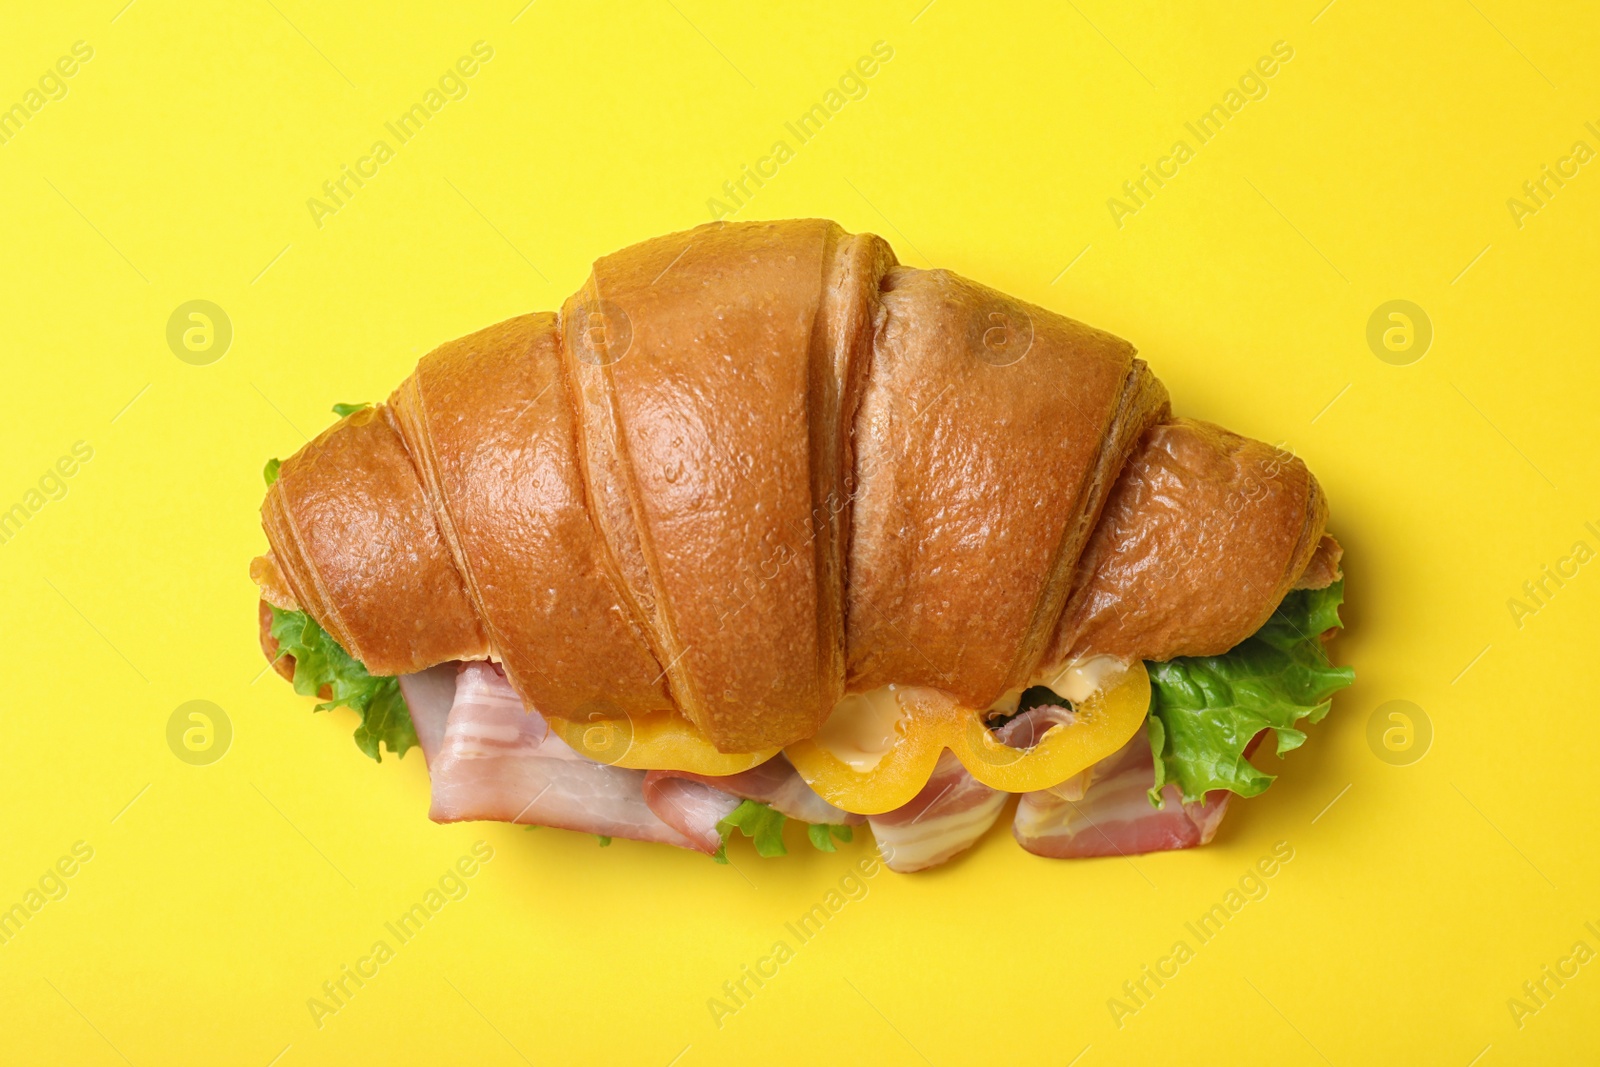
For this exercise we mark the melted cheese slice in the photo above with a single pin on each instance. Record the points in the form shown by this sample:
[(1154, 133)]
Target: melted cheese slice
[(863, 728)]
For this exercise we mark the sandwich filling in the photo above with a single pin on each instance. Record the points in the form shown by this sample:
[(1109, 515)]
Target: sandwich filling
[(929, 778)]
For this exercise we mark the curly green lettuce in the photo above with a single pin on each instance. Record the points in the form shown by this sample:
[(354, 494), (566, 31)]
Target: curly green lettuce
[(764, 825), (823, 833), (1205, 710), (319, 661)]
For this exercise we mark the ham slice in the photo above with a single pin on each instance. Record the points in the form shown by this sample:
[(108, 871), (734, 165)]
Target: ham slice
[(694, 803), (777, 783), (497, 761), (1028, 729), (429, 695), (943, 820), (690, 806), (1113, 815)]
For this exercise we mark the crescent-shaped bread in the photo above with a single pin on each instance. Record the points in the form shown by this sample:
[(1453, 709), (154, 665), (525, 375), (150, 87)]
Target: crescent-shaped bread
[(755, 466)]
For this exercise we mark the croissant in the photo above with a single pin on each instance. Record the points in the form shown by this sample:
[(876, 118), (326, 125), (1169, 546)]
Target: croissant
[(777, 510)]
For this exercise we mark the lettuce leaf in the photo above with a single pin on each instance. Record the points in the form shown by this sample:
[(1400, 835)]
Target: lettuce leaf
[(757, 821), (764, 825), (270, 472), (319, 661), (342, 410), (1205, 710), (822, 835)]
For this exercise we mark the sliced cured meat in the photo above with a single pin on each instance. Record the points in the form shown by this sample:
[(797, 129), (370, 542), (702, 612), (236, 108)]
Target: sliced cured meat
[(695, 803), (690, 806), (1029, 728), (429, 695), (775, 783), (945, 819), (1114, 816), (497, 761)]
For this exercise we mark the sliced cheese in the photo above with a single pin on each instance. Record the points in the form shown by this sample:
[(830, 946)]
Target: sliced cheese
[(1079, 680), (864, 727)]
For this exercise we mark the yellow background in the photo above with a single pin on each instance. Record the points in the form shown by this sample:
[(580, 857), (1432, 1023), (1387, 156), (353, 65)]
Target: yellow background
[(1378, 167)]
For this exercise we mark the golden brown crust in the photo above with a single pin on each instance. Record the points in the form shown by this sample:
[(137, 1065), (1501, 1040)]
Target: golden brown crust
[(1144, 404), (982, 458), (697, 434), (490, 423), (1204, 533), (841, 361), (356, 543)]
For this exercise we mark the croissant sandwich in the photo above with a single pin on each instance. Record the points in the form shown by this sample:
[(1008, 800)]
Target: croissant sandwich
[(763, 525)]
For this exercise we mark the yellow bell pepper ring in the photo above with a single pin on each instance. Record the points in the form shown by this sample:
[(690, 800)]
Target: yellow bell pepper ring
[(933, 721), (655, 741)]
